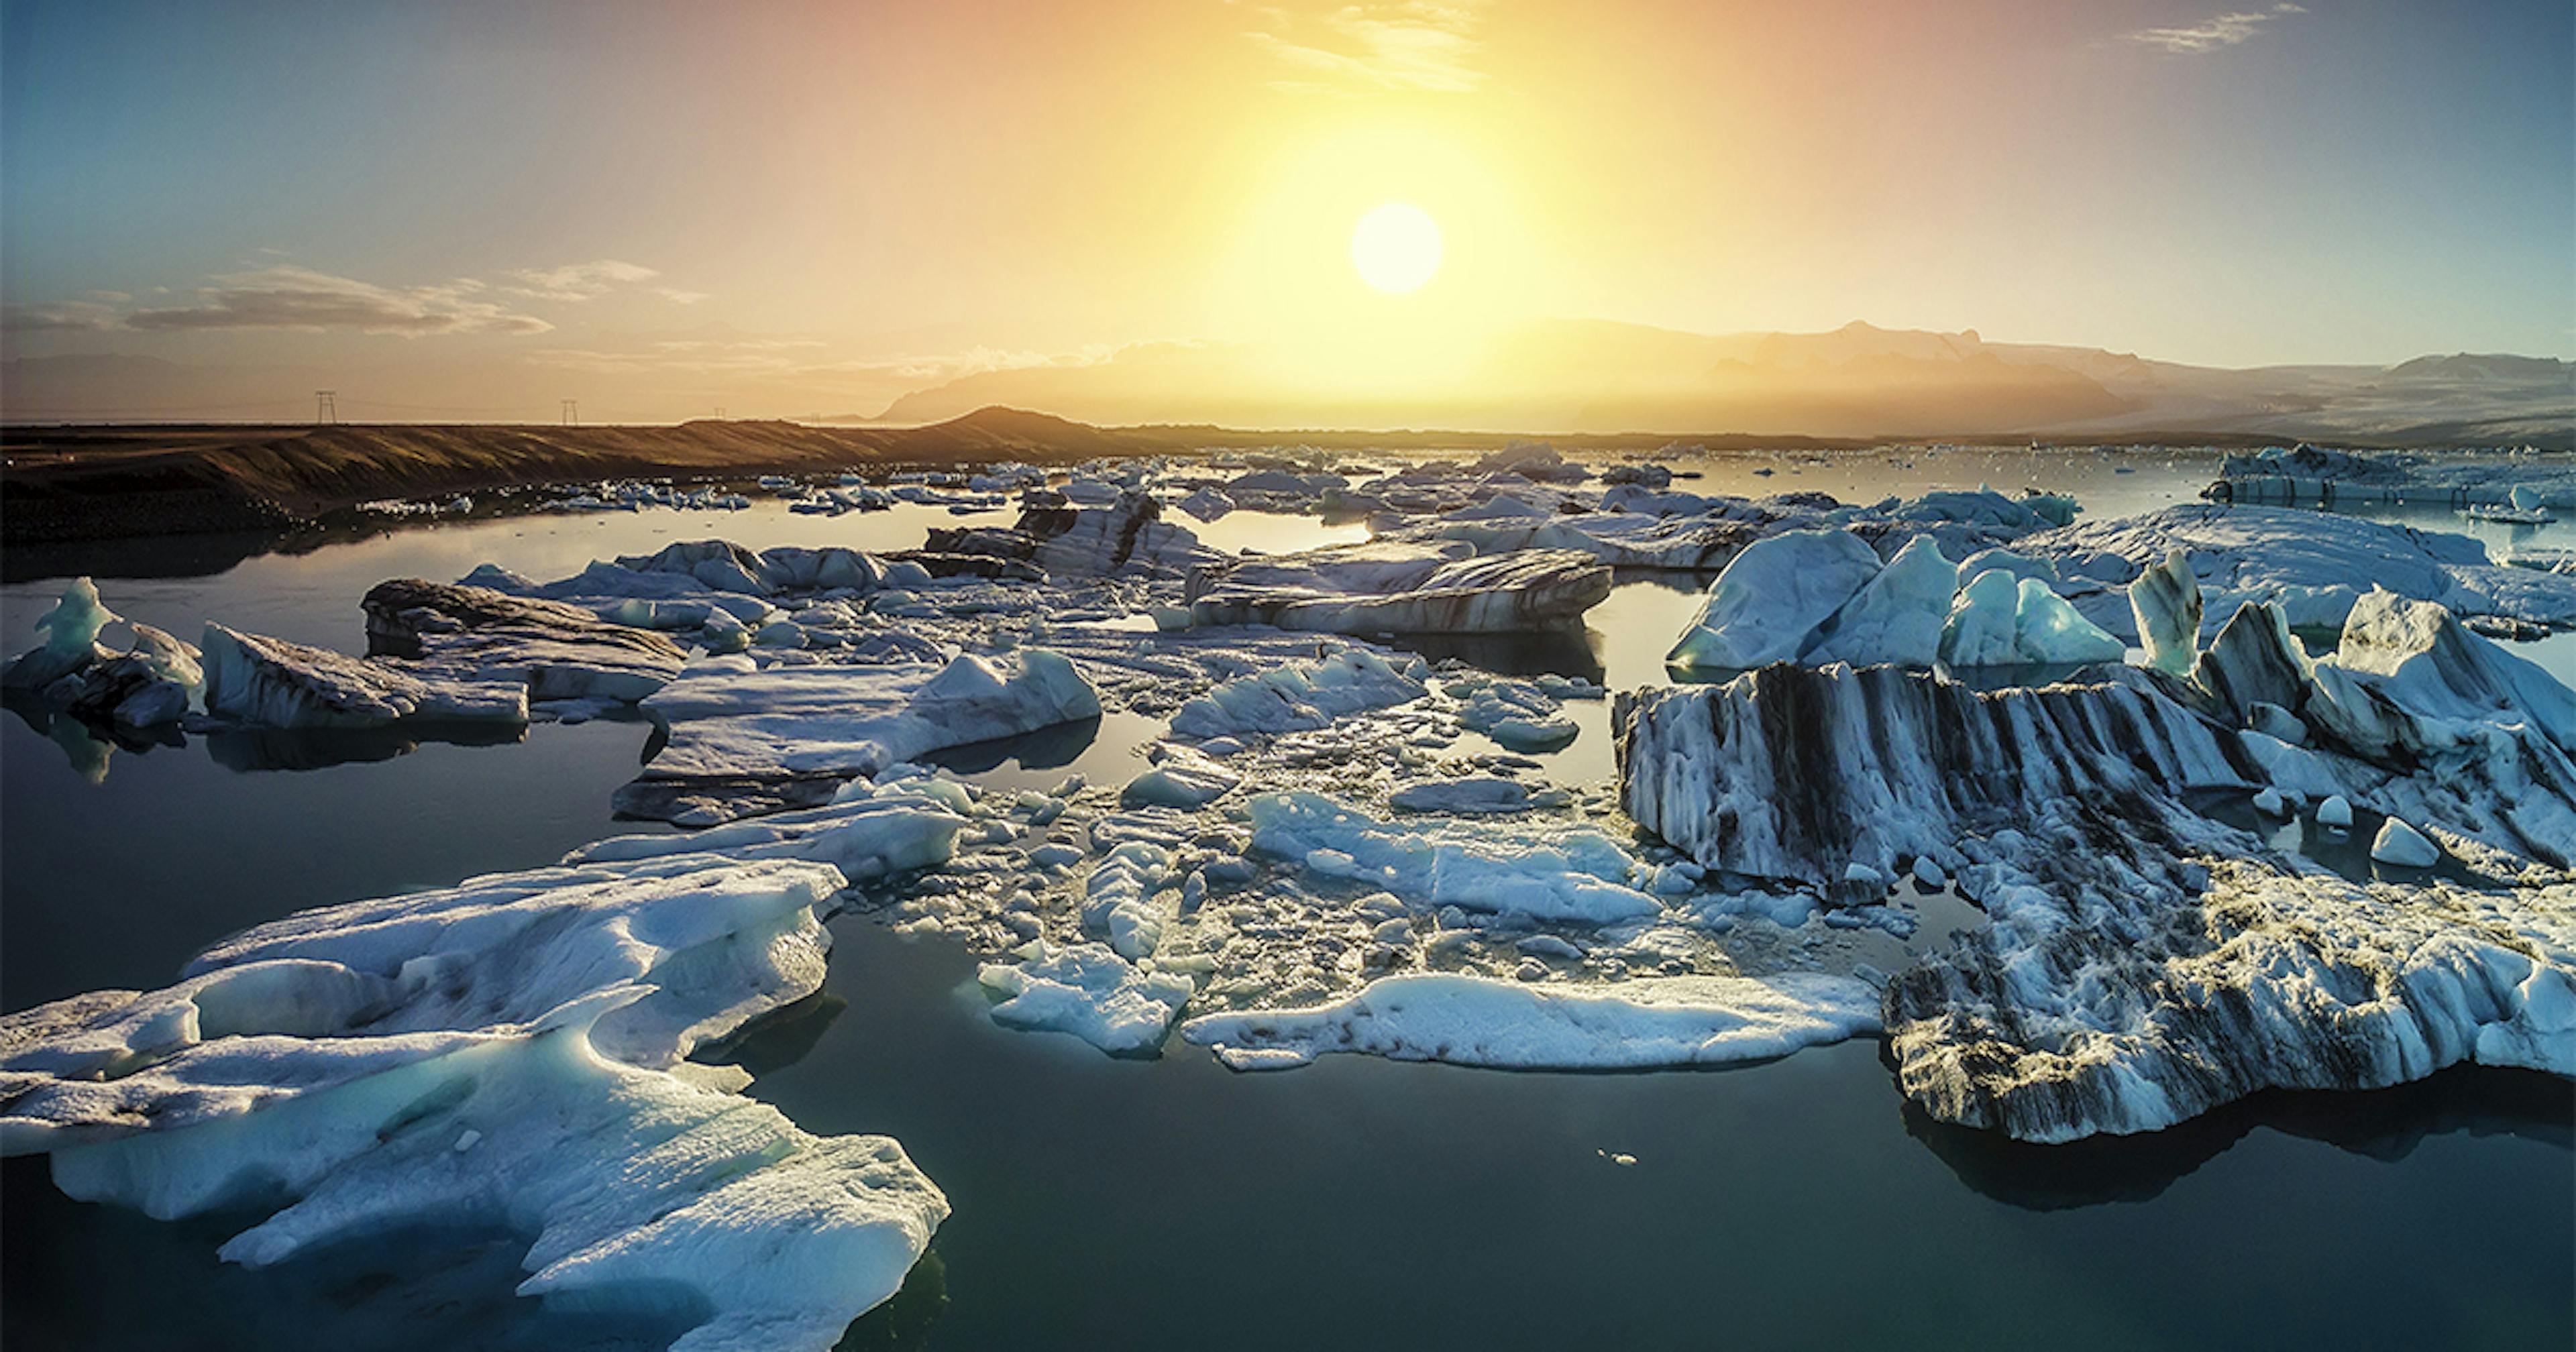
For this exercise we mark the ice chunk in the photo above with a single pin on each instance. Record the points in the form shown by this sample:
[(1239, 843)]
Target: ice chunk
[(1997, 622), (1896, 617), (2399, 843), (1181, 778), (742, 738), (271, 683), (1548, 873), (71, 631), (559, 651), (1401, 587), (2166, 599), (1516, 714), (1772, 597), (1478, 1021), (1302, 696), (1461, 797), (1090, 992), (2335, 811), (150, 685)]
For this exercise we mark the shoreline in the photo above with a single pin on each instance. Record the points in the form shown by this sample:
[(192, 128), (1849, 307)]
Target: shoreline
[(75, 483)]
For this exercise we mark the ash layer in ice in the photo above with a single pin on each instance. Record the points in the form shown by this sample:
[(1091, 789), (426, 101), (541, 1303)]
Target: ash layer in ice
[(2145, 962)]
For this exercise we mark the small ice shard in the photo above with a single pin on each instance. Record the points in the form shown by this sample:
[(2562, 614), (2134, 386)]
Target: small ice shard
[(2335, 811), (1182, 778), (2272, 720), (271, 683), (2166, 600), (1207, 504), (2270, 803), (1090, 992), (2401, 844), (1896, 617), (1518, 715), (1772, 597), (1479, 1021), (71, 639)]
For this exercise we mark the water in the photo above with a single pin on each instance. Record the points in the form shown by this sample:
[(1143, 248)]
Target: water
[(1169, 1203)]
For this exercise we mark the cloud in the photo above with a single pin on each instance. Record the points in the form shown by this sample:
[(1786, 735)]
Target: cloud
[(794, 359), (576, 281), (2226, 30), (1408, 45), (288, 297), (71, 316)]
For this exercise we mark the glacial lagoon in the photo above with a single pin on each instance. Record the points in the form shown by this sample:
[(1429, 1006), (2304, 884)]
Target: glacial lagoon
[(1169, 1202)]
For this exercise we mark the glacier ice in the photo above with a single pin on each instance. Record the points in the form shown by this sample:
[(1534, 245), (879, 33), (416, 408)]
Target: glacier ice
[(2166, 603), (1772, 596), (1574, 875), (1896, 617), (1401, 587), (509, 1049), (740, 738), (71, 631), (1479, 1021), (271, 683), (1091, 992)]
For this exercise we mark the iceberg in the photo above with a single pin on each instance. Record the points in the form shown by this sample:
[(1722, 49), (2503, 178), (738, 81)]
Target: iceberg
[(1401, 587), (559, 651), (2166, 602), (1303, 696), (268, 682), (737, 738), (71, 643), (1650, 1022), (1896, 617), (507, 1051), (1090, 992), (1774, 594)]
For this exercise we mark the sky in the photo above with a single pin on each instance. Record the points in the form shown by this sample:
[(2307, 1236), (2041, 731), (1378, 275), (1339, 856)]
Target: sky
[(791, 208)]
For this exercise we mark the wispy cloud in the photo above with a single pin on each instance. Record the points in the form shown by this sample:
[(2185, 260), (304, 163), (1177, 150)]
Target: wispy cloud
[(1408, 45), (71, 316), (289, 297), (796, 359), (575, 281), (2209, 35)]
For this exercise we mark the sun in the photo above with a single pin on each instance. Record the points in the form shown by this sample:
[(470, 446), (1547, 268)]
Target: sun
[(1396, 247)]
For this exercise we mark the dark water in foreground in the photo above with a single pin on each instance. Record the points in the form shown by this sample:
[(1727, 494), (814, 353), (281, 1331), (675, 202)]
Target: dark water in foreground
[(1171, 1204)]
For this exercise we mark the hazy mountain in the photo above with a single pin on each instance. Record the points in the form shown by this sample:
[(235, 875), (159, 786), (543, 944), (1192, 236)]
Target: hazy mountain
[(1858, 380)]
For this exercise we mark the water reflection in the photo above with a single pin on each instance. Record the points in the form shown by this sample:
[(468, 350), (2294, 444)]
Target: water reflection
[(2385, 1125)]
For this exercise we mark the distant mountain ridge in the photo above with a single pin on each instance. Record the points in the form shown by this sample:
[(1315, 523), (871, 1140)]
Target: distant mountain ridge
[(1855, 381)]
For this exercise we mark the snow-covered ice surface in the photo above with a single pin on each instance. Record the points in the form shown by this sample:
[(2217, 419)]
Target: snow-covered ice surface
[(2314, 565), (1481, 1021), (1386, 587), (511, 1050)]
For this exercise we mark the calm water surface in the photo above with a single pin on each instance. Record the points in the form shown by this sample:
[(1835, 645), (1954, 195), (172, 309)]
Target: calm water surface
[(1171, 1204)]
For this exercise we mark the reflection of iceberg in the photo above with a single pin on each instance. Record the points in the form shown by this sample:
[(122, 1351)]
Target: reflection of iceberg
[(256, 749), (2383, 1124)]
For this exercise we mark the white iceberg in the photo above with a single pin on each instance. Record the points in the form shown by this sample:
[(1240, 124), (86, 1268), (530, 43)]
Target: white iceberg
[(1464, 1020)]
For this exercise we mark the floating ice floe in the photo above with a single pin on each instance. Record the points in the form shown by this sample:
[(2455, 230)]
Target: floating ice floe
[(739, 738), (151, 684), (1298, 696), (1479, 1021), (1395, 587), (1088, 991), (1576, 875), (509, 1051), (271, 683), (559, 651)]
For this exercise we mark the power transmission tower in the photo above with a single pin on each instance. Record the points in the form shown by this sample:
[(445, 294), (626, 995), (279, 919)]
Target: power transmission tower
[(572, 413), (326, 409)]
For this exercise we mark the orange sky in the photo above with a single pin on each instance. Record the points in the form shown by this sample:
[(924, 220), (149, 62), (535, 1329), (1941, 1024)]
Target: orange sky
[(788, 208)]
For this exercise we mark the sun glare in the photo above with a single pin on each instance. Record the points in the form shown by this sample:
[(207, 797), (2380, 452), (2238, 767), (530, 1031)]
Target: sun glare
[(1396, 247)]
